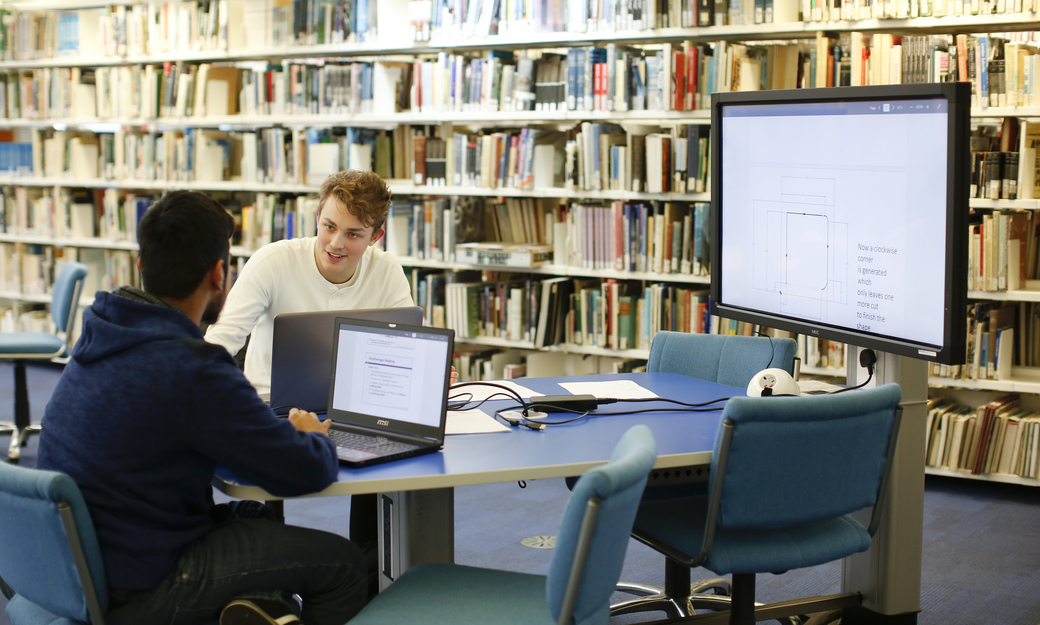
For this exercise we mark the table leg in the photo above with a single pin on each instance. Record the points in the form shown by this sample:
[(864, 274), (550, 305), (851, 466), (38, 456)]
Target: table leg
[(415, 527)]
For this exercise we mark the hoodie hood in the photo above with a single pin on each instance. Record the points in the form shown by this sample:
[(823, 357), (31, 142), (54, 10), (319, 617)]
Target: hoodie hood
[(123, 320)]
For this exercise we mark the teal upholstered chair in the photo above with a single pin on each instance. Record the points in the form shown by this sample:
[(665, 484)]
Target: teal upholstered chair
[(22, 346), (786, 475), (729, 360), (49, 555), (586, 561)]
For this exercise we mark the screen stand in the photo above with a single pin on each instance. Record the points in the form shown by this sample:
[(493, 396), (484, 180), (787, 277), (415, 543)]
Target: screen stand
[(889, 573)]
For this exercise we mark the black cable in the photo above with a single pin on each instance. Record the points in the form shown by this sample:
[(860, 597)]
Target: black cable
[(867, 359), (509, 392), (642, 410), (524, 419), (664, 399)]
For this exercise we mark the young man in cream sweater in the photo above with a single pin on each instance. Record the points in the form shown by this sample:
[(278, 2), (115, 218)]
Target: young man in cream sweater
[(339, 269)]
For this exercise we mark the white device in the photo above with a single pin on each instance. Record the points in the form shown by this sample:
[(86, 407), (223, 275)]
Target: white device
[(777, 381)]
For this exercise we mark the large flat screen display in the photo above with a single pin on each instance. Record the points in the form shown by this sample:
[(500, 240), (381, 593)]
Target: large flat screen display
[(842, 213)]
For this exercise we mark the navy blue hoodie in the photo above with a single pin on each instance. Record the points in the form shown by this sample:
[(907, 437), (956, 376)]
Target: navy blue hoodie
[(143, 414)]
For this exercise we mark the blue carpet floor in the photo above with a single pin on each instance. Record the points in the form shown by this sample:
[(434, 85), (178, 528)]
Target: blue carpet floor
[(981, 560)]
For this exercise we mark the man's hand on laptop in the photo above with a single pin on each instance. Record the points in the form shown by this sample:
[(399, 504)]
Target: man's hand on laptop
[(308, 421), (454, 375)]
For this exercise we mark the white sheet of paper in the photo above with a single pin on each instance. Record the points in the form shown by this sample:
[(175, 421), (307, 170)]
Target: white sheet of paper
[(616, 389), (472, 422), (481, 392)]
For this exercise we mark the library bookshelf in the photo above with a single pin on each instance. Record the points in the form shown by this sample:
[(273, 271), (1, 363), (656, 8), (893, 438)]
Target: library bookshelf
[(106, 105)]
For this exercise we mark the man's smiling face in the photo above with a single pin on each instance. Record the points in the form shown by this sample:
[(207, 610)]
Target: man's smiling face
[(342, 240)]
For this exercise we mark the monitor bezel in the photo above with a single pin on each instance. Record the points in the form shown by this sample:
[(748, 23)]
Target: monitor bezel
[(958, 171)]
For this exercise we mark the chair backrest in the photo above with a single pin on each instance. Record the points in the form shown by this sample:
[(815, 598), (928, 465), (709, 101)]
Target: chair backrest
[(795, 460), (65, 297), (49, 553), (729, 360), (594, 534)]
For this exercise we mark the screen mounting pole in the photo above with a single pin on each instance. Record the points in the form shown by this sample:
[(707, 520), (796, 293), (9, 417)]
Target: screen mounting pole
[(889, 573)]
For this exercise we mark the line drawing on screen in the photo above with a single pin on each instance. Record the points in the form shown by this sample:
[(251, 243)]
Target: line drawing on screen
[(800, 248)]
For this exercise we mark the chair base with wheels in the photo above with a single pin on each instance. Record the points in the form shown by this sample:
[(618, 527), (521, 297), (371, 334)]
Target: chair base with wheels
[(683, 600), (22, 427)]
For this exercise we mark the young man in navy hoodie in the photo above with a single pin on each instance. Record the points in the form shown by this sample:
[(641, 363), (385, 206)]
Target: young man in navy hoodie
[(144, 413)]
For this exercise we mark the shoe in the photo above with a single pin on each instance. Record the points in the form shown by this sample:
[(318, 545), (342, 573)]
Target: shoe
[(257, 612)]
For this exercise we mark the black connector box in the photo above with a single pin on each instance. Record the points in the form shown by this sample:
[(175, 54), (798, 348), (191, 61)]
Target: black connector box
[(575, 403)]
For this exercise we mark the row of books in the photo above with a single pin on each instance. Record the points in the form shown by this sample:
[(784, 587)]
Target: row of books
[(1004, 160), (30, 269), (637, 158), (829, 10), (152, 28), (591, 157), (438, 228), (999, 436), (15, 157), (656, 237), (1000, 337), (272, 217), (72, 213), (610, 78), (158, 27), (277, 155), (816, 352), (540, 312), (139, 91), (1002, 69), (1002, 251), (20, 319), (113, 215)]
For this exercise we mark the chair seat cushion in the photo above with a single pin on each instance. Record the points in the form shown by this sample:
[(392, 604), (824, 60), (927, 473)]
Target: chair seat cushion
[(433, 594), (21, 611), (676, 527), (30, 343)]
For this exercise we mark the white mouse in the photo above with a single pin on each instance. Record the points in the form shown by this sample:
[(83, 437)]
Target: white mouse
[(777, 381)]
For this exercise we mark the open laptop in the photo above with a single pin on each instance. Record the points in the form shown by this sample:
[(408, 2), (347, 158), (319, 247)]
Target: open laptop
[(388, 397), (301, 351)]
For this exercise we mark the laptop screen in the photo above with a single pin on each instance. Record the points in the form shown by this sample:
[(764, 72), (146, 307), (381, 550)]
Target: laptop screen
[(301, 353), (391, 377)]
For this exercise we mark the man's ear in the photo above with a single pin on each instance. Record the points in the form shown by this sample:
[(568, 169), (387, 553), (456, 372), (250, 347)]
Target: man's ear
[(378, 234), (218, 274)]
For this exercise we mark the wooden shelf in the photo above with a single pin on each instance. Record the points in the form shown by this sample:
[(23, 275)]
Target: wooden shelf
[(984, 477)]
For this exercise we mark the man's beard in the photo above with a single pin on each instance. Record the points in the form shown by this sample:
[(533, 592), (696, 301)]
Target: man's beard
[(212, 312)]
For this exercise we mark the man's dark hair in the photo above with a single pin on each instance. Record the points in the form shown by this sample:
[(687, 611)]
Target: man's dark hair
[(181, 237)]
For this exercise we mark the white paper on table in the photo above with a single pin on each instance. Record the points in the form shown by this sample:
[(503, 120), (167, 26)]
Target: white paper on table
[(472, 422), (482, 391), (614, 389)]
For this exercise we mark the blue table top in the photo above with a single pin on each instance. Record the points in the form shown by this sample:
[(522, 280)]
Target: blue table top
[(683, 439)]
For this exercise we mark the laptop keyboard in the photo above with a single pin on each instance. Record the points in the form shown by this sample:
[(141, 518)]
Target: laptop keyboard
[(352, 446)]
